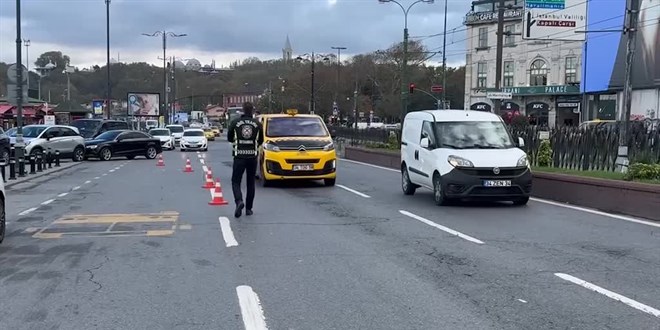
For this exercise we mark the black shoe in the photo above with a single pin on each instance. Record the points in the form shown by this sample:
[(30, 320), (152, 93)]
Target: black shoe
[(248, 212), (239, 210)]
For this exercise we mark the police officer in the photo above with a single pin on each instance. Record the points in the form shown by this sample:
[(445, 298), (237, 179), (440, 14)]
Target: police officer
[(245, 133)]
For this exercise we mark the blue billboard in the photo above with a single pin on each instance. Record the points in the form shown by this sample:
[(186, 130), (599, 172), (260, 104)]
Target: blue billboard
[(604, 55)]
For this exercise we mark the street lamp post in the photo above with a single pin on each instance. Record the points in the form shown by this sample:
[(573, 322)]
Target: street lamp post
[(164, 35), (339, 49), (312, 58), (26, 43), (404, 61), (107, 57), (19, 87)]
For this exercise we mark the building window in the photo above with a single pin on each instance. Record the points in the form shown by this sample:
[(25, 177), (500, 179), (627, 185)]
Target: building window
[(483, 37), (509, 38), (508, 74), (482, 74), (538, 73), (571, 70)]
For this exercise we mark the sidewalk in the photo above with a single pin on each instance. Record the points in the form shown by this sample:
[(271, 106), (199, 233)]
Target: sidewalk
[(46, 172)]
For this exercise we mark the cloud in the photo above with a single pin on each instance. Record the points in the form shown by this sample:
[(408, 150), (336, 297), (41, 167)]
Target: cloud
[(222, 30)]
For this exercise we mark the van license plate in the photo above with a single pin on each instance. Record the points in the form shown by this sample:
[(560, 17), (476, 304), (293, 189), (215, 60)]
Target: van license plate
[(303, 167), (497, 183)]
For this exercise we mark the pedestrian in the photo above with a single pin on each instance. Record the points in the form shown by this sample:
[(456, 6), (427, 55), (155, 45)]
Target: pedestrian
[(245, 133)]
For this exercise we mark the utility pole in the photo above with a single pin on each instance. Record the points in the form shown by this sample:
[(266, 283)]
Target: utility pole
[(270, 97), (632, 11), (26, 43), (19, 85), (498, 54), (339, 49), (444, 61), (311, 104), (355, 103), (107, 57)]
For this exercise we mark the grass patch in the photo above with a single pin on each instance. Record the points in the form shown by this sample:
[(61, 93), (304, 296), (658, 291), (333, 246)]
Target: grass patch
[(589, 174)]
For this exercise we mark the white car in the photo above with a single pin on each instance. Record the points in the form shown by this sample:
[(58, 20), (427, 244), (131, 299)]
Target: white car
[(177, 132), (194, 139), (40, 139), (165, 136), (463, 155), (3, 221)]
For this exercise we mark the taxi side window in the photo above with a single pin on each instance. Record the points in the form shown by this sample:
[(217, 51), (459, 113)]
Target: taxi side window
[(427, 132)]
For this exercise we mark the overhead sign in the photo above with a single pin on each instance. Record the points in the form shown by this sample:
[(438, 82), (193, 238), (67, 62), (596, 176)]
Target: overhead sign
[(436, 89), (555, 19), (97, 106), (499, 95)]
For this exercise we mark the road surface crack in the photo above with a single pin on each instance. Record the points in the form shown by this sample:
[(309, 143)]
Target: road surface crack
[(91, 274)]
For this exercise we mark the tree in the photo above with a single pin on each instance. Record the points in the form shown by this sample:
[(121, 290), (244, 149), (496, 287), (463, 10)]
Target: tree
[(56, 57)]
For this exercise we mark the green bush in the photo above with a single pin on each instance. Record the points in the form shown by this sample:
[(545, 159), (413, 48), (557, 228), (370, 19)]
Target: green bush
[(544, 156), (640, 171)]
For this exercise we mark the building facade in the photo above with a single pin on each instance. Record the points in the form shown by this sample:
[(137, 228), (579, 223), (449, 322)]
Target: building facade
[(542, 75)]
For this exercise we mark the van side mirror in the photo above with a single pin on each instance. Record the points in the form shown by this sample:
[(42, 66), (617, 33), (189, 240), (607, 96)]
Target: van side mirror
[(521, 142), (425, 142)]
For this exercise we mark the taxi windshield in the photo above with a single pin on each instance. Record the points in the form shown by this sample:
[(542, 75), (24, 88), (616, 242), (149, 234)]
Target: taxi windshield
[(295, 126)]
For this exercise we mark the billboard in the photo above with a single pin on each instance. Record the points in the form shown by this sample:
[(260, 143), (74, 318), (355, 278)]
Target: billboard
[(97, 106), (604, 55), (555, 19), (143, 104)]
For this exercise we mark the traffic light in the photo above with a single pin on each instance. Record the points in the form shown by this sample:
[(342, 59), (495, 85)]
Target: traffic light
[(411, 88)]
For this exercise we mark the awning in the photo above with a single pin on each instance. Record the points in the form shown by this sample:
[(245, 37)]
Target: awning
[(5, 107), (27, 112)]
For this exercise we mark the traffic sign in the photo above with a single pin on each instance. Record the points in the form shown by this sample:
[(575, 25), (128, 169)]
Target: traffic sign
[(436, 89), (12, 94), (499, 95), (12, 74)]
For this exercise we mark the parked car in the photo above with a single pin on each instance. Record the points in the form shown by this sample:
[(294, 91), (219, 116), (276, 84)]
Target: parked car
[(165, 137), (91, 128), (194, 139), (3, 219), (123, 143), (42, 138), (5, 146)]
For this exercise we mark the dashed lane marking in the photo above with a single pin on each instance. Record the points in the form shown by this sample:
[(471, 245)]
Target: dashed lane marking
[(28, 211), (88, 182), (48, 202), (441, 227), (227, 233), (62, 194), (353, 191), (75, 188), (251, 311)]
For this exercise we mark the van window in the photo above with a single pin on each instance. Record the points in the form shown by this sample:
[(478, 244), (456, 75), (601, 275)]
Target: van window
[(473, 135), (114, 125), (427, 132)]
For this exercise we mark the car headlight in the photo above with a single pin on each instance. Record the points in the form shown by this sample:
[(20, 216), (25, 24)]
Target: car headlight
[(329, 146), (271, 147), (456, 161), (523, 161), (92, 147)]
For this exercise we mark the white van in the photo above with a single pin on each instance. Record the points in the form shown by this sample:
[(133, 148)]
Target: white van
[(463, 155)]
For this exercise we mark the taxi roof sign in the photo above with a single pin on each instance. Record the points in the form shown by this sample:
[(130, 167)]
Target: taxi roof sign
[(292, 112)]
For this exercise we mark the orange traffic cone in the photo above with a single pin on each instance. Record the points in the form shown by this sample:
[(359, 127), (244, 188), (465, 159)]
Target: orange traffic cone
[(208, 181), (188, 168), (217, 195), (160, 160)]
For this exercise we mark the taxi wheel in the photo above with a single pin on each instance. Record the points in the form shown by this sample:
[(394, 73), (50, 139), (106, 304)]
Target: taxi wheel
[(329, 182)]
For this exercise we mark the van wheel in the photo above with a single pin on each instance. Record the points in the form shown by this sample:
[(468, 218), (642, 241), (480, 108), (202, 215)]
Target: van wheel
[(438, 193), (407, 186)]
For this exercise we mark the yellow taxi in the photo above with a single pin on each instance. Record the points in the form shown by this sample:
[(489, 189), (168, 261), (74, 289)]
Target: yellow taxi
[(296, 146), (209, 135), (216, 130)]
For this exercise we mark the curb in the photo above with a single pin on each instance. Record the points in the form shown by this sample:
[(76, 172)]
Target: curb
[(31, 177)]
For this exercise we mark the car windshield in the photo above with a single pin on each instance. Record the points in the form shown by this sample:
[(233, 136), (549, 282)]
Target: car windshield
[(108, 136), (473, 135), (295, 126), (11, 132), (193, 133), (175, 129), (86, 127), (32, 131), (159, 132)]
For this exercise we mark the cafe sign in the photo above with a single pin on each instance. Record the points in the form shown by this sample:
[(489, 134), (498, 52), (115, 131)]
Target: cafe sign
[(491, 16), (540, 90)]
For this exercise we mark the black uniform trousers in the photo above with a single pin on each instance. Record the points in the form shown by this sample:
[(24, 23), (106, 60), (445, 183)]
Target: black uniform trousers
[(241, 166)]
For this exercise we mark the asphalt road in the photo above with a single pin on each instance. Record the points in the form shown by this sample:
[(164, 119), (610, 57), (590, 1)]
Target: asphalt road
[(129, 245)]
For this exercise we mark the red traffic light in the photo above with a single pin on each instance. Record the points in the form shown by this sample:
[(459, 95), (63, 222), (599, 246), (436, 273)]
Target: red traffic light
[(411, 88)]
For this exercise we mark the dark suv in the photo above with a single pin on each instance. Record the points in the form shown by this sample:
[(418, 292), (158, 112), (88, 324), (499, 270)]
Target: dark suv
[(4, 147), (91, 128)]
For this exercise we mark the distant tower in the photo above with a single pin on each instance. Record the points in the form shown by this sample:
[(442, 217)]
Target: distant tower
[(287, 51)]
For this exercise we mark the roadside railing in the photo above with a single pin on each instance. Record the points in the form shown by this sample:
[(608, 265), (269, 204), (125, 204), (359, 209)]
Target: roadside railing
[(18, 167)]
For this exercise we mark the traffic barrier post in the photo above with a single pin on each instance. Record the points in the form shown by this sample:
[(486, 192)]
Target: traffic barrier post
[(21, 167), (12, 169), (57, 158), (32, 164)]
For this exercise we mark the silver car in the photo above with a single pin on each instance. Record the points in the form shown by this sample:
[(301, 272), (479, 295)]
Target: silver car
[(40, 139)]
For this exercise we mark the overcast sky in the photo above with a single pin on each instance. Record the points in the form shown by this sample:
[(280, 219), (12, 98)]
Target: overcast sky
[(223, 30)]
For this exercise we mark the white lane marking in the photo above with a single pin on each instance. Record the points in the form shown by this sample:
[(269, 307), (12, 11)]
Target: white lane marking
[(610, 294), (86, 182), (564, 205), (251, 311), (112, 170), (201, 161), (206, 169), (104, 174), (596, 212), (62, 194), (522, 301), (443, 228), (96, 178), (118, 167), (75, 188), (227, 233), (47, 202), (353, 191), (28, 211)]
